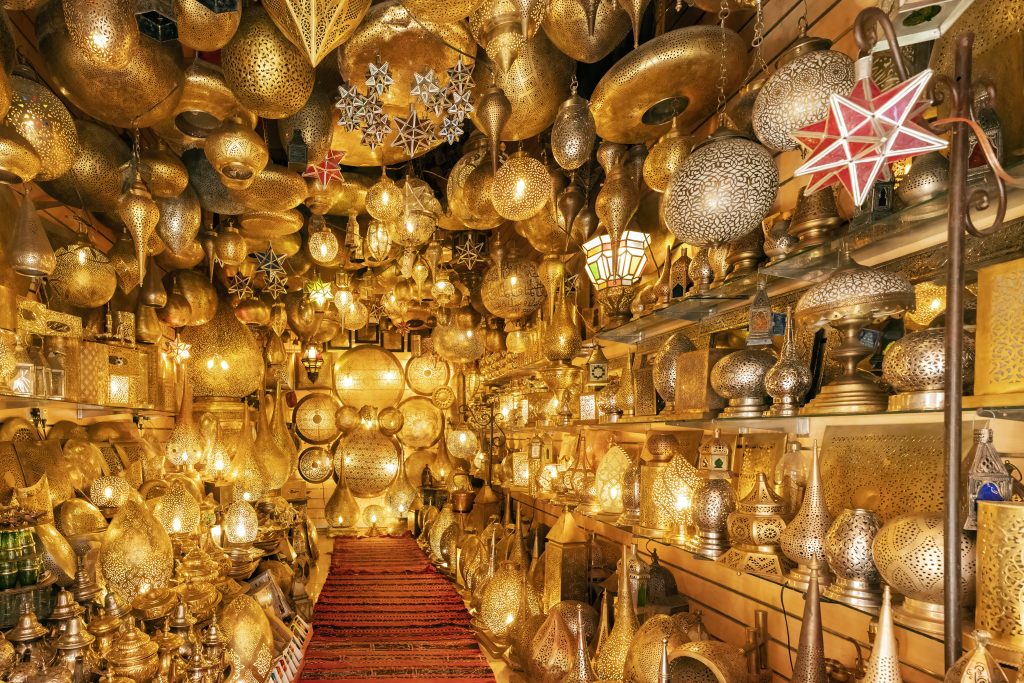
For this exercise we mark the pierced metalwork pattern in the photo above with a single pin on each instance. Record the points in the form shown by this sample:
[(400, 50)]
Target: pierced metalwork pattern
[(9, 465), (797, 95), (566, 23), (36, 498), (512, 289), (902, 463), (708, 661), (665, 365), (426, 373), (315, 465), (369, 375), (848, 545), (736, 169), (423, 422), (551, 651), (917, 361), (1000, 609), (568, 610), (803, 540), (909, 555), (370, 461), (44, 458), (268, 74), (501, 599), (855, 290), (713, 500), (136, 553), (248, 634), (313, 418), (111, 458), (758, 453), (643, 658), (1001, 329), (741, 374)]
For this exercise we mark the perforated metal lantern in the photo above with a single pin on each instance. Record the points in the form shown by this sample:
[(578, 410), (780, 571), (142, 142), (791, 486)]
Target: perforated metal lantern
[(317, 27), (369, 375), (84, 276), (723, 190), (136, 554), (512, 289), (521, 188), (369, 459)]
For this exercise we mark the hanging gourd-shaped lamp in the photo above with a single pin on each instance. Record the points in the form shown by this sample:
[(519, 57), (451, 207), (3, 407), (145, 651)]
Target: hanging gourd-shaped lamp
[(666, 156), (125, 262), (384, 200), (619, 197), (163, 171), (229, 247), (522, 187), (240, 523), (322, 242), (153, 294), (247, 474), (30, 252), (140, 215), (573, 133), (494, 110), (19, 163), (84, 276), (185, 442), (275, 462), (342, 510)]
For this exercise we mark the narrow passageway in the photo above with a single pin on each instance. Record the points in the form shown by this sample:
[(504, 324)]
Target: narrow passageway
[(385, 614)]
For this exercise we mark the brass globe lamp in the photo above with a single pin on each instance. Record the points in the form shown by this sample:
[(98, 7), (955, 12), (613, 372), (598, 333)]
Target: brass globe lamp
[(370, 461), (241, 523), (42, 120), (384, 200), (721, 192), (83, 276), (177, 510), (103, 31), (521, 188), (573, 133), (511, 288), (322, 243), (665, 158)]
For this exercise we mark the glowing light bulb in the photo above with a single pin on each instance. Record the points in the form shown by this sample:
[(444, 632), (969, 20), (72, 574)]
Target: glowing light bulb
[(176, 525), (108, 491)]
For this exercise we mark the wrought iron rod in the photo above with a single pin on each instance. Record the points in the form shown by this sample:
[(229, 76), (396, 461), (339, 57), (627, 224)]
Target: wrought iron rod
[(953, 424)]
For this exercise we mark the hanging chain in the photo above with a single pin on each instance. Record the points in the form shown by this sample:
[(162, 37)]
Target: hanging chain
[(723, 14), (574, 84), (758, 41)]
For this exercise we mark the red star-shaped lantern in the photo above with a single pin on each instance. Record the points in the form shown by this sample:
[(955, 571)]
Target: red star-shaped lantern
[(865, 132), (327, 170)]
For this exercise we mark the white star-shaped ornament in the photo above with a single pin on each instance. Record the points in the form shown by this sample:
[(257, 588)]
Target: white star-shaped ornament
[(865, 132), (376, 131), (459, 104), (413, 132), (451, 130), (461, 75), (425, 87), (349, 106), (469, 254), (378, 77)]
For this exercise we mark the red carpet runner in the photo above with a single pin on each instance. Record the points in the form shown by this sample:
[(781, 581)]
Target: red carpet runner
[(385, 615)]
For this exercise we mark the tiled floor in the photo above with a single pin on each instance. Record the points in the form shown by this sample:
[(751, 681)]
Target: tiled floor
[(502, 672)]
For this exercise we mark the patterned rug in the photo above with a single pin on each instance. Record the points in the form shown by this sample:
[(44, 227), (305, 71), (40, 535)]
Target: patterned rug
[(385, 615)]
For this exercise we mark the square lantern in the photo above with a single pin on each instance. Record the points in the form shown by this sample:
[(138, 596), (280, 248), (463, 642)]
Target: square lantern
[(565, 563), (156, 19), (606, 269)]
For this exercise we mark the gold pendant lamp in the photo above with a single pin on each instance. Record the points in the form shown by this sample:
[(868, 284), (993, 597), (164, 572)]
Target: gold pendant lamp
[(39, 116), (140, 215), (237, 153), (104, 31), (202, 29)]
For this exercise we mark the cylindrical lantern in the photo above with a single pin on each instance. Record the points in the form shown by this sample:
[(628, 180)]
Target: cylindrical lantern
[(1000, 597)]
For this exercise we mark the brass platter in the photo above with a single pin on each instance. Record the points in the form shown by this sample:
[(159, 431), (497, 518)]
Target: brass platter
[(638, 97)]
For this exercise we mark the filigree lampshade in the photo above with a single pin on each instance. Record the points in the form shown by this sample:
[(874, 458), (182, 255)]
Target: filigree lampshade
[(370, 461), (250, 641), (400, 496), (240, 523), (501, 600), (41, 119), (317, 27), (275, 461), (512, 288), (225, 356), (177, 510), (140, 216), (609, 479), (342, 510), (369, 375), (721, 192), (269, 92), (136, 555), (323, 243), (522, 186), (109, 492), (384, 200), (84, 276)]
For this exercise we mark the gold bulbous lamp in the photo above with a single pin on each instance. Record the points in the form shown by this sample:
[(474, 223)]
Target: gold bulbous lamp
[(140, 215), (241, 523), (84, 275), (136, 555), (42, 120), (521, 188), (275, 462), (226, 358), (272, 93), (184, 444), (30, 253), (341, 510), (177, 510), (237, 153)]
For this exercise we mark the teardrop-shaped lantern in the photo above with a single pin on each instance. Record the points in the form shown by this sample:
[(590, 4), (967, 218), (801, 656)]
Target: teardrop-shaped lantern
[(140, 215), (279, 426), (493, 111), (247, 474), (125, 262), (30, 253), (136, 555), (619, 198), (226, 358), (153, 294), (276, 463), (180, 219), (573, 133), (163, 172), (341, 510), (148, 329), (177, 510), (185, 442)]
